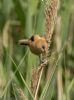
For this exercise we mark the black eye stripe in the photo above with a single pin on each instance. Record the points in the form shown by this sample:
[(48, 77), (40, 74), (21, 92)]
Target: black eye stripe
[(43, 46), (32, 38)]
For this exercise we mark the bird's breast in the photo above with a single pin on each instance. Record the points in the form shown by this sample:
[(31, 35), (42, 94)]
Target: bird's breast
[(35, 50)]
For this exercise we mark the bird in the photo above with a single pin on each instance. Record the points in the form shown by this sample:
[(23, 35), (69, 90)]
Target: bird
[(37, 44)]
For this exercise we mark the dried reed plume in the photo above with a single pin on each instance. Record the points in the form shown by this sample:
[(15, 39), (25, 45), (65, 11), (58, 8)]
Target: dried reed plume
[(51, 8)]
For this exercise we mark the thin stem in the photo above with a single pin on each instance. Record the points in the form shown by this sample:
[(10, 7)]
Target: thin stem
[(38, 84)]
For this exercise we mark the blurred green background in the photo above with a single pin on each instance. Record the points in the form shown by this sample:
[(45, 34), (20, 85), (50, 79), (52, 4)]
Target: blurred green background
[(21, 19)]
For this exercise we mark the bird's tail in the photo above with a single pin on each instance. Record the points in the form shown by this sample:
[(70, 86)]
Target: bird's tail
[(23, 42)]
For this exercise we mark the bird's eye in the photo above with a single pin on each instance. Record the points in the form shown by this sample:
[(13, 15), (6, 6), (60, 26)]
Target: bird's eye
[(32, 38), (43, 46)]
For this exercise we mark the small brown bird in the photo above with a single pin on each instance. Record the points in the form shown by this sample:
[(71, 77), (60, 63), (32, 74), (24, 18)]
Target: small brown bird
[(38, 45)]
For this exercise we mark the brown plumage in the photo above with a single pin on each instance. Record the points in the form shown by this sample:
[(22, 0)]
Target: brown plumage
[(38, 45)]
